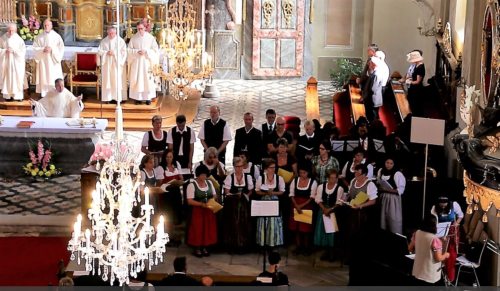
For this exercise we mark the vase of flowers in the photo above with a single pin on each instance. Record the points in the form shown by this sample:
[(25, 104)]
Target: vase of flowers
[(103, 152), (40, 164), (30, 28)]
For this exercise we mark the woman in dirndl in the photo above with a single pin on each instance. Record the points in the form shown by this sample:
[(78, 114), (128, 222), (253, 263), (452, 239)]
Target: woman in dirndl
[(202, 231), (392, 185), (449, 211), (302, 193), (328, 196), (237, 224), (270, 186)]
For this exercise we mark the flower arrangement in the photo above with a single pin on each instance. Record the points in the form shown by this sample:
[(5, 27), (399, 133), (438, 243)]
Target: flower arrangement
[(40, 162), (103, 152), (31, 28)]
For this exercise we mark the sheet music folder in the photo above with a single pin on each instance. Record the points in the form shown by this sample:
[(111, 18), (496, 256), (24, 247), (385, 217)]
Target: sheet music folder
[(350, 145), (338, 145), (264, 208)]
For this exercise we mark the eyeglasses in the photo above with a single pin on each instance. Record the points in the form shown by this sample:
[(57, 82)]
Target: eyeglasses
[(240, 166), (280, 124)]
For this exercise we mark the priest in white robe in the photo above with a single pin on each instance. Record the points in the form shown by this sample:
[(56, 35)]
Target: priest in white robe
[(58, 103), (143, 55), (113, 58), (12, 64), (49, 49)]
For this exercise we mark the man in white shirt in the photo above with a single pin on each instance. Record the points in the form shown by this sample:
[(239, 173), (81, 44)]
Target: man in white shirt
[(113, 59), (58, 103), (49, 50), (142, 57), (215, 132), (181, 139), (12, 64)]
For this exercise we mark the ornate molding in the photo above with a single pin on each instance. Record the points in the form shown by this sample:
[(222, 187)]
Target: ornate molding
[(477, 195), (287, 7), (447, 45), (268, 10)]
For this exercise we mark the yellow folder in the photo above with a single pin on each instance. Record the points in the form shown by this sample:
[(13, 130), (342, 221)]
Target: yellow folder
[(286, 175), (214, 205), (360, 198), (305, 217)]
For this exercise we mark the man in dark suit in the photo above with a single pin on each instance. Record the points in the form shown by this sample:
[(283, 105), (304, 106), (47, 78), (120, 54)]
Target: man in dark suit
[(179, 278), (249, 139), (270, 124), (308, 144)]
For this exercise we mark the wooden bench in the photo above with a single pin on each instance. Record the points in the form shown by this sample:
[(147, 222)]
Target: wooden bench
[(358, 108), (401, 99)]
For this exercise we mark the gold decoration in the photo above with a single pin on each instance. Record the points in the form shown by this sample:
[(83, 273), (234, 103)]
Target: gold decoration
[(481, 195), (287, 7), (494, 143), (447, 46), (187, 60), (89, 20), (268, 8), (485, 218)]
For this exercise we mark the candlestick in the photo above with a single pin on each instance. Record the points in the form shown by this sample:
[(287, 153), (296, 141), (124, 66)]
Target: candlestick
[(87, 237), (198, 36), (146, 196)]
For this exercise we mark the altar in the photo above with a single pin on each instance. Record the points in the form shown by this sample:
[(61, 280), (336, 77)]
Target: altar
[(71, 143)]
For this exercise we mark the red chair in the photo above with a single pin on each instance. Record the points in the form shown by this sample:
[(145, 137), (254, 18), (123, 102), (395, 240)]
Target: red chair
[(86, 72), (292, 124)]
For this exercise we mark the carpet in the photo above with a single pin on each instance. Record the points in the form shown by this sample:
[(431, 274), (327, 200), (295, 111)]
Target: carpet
[(31, 261)]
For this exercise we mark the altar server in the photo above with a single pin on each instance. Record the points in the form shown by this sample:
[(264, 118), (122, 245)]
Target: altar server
[(58, 103), (113, 59), (143, 55), (49, 50), (12, 64)]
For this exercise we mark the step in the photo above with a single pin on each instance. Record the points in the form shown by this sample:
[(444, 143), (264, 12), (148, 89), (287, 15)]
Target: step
[(126, 115), (91, 105)]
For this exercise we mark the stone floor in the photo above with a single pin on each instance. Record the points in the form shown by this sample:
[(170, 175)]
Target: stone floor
[(27, 209)]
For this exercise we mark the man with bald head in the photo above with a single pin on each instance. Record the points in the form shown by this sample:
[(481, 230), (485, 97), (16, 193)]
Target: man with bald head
[(215, 132), (280, 132), (12, 64), (113, 53), (49, 50)]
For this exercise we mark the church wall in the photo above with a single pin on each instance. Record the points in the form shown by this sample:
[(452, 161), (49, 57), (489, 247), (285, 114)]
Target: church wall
[(397, 34), (340, 29)]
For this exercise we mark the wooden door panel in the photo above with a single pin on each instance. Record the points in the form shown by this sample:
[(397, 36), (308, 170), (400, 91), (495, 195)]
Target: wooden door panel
[(278, 49)]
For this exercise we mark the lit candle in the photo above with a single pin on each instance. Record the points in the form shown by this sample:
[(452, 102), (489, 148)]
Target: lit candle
[(159, 229), (87, 237), (142, 238), (146, 196), (163, 33), (114, 241)]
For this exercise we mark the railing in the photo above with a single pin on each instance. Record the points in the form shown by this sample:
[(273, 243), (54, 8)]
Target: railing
[(7, 11)]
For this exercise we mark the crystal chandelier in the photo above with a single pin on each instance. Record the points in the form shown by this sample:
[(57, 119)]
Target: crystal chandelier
[(117, 244), (183, 48)]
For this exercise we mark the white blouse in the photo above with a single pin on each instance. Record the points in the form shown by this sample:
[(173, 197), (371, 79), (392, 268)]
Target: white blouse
[(190, 188), (177, 170), (399, 179), (341, 196), (371, 188), (314, 186), (227, 183), (259, 185)]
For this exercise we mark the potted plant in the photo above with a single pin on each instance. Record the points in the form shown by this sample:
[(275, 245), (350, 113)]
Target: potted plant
[(344, 70)]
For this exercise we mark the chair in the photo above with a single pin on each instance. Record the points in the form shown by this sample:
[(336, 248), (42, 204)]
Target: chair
[(86, 72), (464, 262)]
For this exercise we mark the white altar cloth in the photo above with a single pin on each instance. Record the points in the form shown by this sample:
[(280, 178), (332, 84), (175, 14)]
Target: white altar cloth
[(69, 52), (50, 127)]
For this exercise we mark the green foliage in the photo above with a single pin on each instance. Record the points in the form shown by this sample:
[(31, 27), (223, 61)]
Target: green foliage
[(345, 68)]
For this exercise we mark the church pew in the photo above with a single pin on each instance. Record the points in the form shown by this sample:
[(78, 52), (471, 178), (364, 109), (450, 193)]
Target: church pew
[(358, 108), (401, 99), (342, 112)]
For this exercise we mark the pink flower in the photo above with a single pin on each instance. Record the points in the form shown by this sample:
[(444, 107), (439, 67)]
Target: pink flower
[(33, 158), (24, 20), (40, 150), (46, 159)]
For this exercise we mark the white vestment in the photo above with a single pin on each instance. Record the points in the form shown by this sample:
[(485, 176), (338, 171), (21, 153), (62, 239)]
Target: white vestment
[(142, 83), (56, 104), (109, 65), (48, 65), (12, 66)]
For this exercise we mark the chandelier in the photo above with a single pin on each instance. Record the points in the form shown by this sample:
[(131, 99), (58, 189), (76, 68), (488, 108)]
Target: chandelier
[(118, 244), (186, 58)]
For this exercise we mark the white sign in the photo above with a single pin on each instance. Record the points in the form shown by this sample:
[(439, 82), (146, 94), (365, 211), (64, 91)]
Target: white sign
[(427, 131), (265, 208)]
